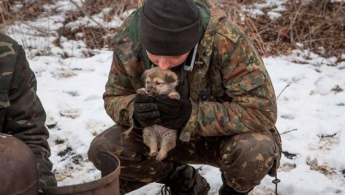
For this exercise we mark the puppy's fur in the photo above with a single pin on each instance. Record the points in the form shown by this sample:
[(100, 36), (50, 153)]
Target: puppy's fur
[(159, 82)]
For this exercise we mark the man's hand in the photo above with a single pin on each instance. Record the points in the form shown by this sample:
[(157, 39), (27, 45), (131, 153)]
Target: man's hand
[(174, 114), (145, 111)]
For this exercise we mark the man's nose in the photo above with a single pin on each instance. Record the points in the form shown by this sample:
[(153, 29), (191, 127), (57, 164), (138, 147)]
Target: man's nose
[(163, 63)]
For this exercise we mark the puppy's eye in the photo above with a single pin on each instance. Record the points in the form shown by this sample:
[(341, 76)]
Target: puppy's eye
[(158, 83)]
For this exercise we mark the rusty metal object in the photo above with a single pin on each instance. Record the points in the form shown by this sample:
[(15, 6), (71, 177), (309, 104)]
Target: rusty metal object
[(18, 172), (108, 184)]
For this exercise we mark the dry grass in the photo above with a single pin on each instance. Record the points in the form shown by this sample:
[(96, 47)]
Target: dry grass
[(11, 11), (233, 8), (318, 25), (117, 6)]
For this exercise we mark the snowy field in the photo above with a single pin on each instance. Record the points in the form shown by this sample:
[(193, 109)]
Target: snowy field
[(311, 111)]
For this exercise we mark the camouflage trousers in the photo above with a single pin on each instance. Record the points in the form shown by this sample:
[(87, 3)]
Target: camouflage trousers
[(243, 159)]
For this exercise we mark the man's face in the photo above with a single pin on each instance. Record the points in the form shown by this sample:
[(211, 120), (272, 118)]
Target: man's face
[(167, 62)]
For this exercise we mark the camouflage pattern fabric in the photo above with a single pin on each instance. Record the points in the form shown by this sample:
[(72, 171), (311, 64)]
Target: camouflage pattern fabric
[(229, 88), (21, 112), (244, 159)]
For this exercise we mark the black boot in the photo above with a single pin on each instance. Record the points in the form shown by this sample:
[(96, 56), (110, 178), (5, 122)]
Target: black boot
[(227, 190), (185, 180)]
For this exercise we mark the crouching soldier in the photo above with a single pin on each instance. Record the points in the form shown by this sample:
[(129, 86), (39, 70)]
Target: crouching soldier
[(24, 150), (226, 114)]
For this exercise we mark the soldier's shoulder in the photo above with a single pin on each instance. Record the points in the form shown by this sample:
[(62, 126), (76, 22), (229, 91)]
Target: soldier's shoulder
[(127, 29), (8, 44), (7, 39), (229, 29)]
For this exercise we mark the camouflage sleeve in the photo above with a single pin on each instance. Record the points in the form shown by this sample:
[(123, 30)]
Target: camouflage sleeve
[(246, 81), (119, 94), (25, 117)]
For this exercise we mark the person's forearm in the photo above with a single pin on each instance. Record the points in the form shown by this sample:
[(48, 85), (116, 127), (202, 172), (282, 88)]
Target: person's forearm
[(120, 109), (119, 94)]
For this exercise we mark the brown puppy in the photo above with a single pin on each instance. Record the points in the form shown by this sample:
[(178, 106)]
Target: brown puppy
[(159, 82)]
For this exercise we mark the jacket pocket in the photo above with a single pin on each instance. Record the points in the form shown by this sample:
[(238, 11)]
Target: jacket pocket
[(4, 103)]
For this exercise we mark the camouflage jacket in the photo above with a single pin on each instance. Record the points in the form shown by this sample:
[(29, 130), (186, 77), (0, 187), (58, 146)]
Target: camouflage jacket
[(21, 112), (229, 87)]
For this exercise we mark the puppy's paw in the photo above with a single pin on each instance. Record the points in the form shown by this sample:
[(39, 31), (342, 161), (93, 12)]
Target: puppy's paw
[(141, 91), (153, 153), (174, 95), (161, 156)]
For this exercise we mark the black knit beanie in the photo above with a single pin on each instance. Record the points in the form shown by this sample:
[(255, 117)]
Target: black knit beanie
[(169, 27)]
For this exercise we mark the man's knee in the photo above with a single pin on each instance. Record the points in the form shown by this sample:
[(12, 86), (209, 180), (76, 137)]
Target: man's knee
[(94, 151), (130, 148), (246, 160), (17, 160), (106, 141)]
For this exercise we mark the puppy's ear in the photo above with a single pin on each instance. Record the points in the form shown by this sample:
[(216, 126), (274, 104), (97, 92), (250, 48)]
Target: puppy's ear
[(171, 77), (143, 76)]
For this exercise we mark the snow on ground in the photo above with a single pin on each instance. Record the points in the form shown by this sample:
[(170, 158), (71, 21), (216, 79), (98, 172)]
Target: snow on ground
[(311, 105)]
